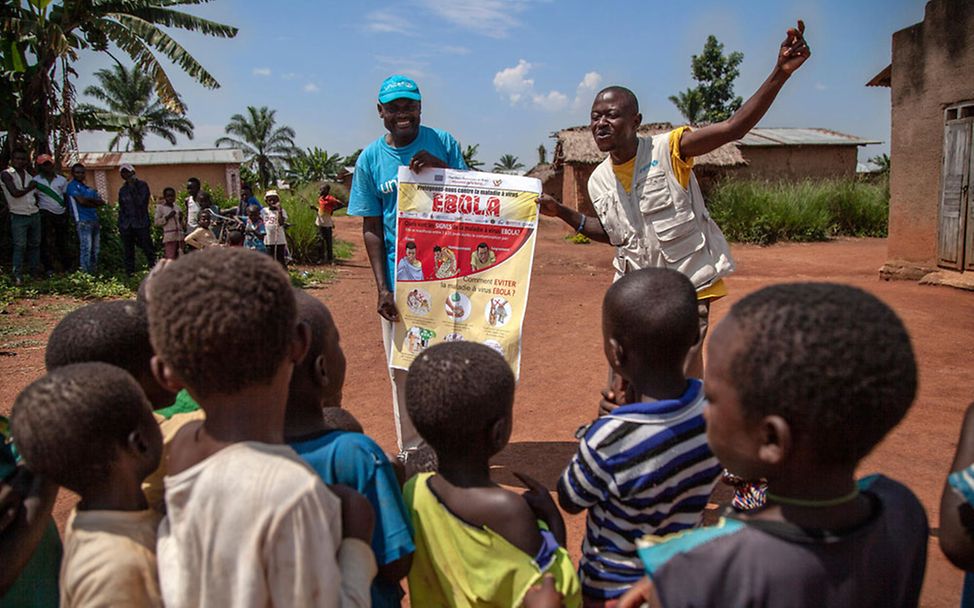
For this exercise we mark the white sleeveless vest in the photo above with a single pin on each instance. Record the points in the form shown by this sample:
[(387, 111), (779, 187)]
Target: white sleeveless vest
[(659, 224), (19, 205)]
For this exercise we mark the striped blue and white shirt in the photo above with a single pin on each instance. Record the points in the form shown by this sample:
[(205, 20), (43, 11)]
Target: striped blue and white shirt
[(643, 469)]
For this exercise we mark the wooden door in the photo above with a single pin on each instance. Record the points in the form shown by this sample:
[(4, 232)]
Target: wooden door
[(954, 195), (969, 230)]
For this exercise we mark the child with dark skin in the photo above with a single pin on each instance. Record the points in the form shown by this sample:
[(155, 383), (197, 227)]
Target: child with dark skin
[(460, 396), (89, 428), (315, 390), (956, 510), (803, 380), (245, 413)]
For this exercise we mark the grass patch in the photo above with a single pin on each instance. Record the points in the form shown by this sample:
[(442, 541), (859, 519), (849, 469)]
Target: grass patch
[(768, 212), (311, 278), (22, 344), (10, 329), (578, 238), (76, 285)]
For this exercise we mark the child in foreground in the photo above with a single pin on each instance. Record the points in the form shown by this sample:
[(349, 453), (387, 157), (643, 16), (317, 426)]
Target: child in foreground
[(342, 457), (248, 523), (644, 468), (89, 428), (803, 380), (117, 333), (476, 543), (957, 508)]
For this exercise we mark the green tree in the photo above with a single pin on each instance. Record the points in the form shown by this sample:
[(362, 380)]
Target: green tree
[(131, 110), (716, 74), (690, 105), (313, 165), (508, 164), (268, 148), (351, 159), (42, 38), (882, 161), (469, 157)]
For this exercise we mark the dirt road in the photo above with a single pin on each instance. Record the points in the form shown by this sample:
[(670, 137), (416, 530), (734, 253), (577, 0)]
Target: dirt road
[(563, 367)]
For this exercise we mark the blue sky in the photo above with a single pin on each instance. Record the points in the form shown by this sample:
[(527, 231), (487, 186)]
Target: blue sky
[(505, 74)]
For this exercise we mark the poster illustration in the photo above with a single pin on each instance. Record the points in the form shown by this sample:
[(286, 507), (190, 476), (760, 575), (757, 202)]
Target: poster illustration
[(464, 250)]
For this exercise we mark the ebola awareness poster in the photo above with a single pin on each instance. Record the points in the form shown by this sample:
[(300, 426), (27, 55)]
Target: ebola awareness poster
[(464, 250)]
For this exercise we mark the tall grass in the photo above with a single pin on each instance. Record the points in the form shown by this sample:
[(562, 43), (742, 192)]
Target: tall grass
[(767, 212), (301, 205)]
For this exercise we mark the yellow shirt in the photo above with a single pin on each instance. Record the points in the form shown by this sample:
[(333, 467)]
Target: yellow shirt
[(682, 168), (458, 565)]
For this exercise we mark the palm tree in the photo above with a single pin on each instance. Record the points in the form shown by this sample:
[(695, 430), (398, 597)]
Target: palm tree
[(542, 154), (314, 165), (267, 147), (690, 104), (882, 161), (508, 164), (468, 157), (42, 38), (132, 109)]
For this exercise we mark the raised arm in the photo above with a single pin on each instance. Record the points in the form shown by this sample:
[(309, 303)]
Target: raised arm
[(791, 55)]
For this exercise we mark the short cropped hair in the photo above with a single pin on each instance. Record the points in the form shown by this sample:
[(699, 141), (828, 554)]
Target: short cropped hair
[(223, 318), (168, 189), (114, 332), (457, 390), (69, 424), (410, 245), (76, 165), (833, 360), (652, 313), (624, 92)]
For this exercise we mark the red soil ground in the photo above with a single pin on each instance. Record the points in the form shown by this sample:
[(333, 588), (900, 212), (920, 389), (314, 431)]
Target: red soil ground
[(563, 367)]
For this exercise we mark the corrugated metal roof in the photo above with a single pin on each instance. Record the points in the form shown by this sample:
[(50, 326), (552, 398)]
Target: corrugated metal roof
[(801, 137), (162, 157)]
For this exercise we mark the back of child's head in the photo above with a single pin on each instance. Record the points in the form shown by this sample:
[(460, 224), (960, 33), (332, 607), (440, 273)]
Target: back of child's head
[(224, 320), (832, 360), (235, 238), (652, 314), (324, 352), (115, 332), (71, 424), (455, 393)]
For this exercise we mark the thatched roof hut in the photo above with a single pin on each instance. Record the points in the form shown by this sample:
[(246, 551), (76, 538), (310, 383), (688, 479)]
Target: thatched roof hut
[(576, 145)]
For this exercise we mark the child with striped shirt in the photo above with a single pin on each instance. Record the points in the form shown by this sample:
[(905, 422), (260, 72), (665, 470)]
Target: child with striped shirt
[(645, 467)]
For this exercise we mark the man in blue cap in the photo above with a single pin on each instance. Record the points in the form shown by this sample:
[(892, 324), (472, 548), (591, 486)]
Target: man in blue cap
[(375, 190)]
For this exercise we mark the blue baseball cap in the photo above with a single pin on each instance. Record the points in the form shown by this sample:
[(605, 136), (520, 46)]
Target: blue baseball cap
[(398, 86)]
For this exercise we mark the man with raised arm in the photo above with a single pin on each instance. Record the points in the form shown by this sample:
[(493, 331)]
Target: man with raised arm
[(374, 197), (647, 201)]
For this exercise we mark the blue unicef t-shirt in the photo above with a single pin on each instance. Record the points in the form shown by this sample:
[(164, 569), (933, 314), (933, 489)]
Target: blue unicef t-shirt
[(375, 186), (354, 460), (81, 214)]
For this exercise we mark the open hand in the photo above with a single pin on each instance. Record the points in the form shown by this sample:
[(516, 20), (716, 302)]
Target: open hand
[(424, 160), (549, 204), (539, 499), (544, 595), (794, 50), (387, 306)]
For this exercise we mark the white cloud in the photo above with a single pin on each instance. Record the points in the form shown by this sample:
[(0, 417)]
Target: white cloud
[(387, 22), (514, 85), (290, 76), (494, 18), (586, 89), (820, 87), (553, 101), (513, 82), (262, 72), (311, 88)]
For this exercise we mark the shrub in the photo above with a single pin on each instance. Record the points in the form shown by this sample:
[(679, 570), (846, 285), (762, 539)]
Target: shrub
[(767, 212), (301, 205)]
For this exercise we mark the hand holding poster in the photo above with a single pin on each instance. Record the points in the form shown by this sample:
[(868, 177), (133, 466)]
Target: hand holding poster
[(464, 250)]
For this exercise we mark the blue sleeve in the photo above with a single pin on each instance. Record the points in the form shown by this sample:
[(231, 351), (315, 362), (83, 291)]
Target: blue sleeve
[(365, 467), (72, 189), (585, 480), (962, 482), (454, 155), (364, 199)]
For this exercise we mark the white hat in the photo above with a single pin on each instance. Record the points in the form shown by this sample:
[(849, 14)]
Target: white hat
[(271, 193), (126, 167)]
